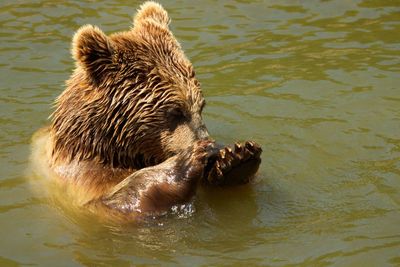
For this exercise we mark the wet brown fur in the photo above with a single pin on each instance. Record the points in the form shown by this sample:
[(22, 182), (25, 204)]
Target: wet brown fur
[(131, 103), (154, 190), (128, 126), (114, 109)]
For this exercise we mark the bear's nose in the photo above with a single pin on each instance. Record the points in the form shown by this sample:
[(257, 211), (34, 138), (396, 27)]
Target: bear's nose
[(202, 132)]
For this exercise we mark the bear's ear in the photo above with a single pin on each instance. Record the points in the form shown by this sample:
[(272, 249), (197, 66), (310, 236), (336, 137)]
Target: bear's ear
[(152, 12), (92, 50)]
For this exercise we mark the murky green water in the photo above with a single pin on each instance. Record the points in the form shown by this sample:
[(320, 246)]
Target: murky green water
[(315, 82)]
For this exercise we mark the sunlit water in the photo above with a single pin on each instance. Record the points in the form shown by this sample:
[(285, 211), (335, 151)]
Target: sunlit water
[(316, 83)]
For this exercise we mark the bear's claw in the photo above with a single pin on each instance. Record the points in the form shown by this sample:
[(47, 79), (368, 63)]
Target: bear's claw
[(235, 166)]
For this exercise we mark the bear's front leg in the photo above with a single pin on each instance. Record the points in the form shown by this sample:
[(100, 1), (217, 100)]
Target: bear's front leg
[(155, 190), (235, 165)]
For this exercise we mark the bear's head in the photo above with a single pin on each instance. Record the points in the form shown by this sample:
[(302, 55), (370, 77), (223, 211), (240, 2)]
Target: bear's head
[(133, 100)]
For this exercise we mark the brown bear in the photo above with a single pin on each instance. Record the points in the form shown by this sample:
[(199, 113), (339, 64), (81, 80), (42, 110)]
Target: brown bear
[(127, 134)]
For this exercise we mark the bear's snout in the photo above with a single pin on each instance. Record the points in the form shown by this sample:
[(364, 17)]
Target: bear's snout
[(209, 153)]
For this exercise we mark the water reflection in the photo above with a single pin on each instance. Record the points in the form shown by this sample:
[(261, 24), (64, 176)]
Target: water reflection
[(171, 238)]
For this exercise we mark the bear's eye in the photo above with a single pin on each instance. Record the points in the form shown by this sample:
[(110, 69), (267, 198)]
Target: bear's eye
[(175, 117), (176, 113)]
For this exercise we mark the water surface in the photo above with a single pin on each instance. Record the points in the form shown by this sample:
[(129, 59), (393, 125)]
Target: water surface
[(316, 83)]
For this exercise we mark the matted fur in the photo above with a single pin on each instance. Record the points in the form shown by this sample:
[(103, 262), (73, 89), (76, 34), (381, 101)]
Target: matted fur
[(114, 108), (127, 138)]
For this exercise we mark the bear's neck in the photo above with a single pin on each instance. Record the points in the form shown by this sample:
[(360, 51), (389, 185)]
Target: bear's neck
[(67, 150)]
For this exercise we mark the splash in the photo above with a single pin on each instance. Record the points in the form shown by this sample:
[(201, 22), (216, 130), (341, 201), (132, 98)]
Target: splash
[(183, 210)]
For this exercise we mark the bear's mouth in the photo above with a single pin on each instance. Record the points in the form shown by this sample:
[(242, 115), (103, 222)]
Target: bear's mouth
[(210, 164), (212, 159)]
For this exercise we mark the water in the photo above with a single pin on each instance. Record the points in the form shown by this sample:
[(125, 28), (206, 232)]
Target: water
[(315, 82)]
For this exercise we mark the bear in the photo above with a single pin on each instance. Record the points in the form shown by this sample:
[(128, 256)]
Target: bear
[(127, 135)]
